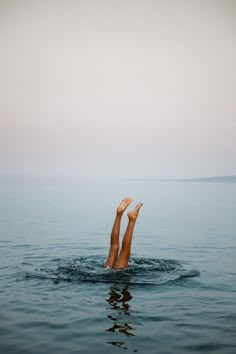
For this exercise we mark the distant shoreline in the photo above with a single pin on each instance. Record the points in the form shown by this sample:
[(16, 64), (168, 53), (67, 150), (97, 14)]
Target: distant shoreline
[(216, 179), (25, 179)]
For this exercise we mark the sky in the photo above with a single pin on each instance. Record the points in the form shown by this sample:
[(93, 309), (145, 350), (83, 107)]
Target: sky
[(118, 88)]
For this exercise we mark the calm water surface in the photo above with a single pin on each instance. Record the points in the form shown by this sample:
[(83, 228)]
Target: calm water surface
[(177, 296)]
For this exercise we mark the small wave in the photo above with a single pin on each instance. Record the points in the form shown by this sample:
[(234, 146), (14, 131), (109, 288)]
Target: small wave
[(140, 271)]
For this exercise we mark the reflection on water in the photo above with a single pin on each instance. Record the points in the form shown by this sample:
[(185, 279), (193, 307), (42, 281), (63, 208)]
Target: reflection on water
[(119, 301)]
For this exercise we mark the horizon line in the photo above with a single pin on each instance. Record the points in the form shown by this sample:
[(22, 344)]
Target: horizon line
[(61, 177)]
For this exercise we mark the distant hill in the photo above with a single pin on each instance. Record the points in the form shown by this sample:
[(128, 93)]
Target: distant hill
[(216, 179), (213, 179)]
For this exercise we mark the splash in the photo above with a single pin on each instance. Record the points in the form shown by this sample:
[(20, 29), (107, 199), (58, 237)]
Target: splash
[(140, 271)]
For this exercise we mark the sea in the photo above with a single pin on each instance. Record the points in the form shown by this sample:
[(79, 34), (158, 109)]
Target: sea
[(178, 294)]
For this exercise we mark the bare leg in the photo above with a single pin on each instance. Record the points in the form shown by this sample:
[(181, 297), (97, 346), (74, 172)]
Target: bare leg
[(124, 255), (114, 245)]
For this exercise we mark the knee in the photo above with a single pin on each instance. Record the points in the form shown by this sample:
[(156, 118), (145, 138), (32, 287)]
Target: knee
[(125, 253)]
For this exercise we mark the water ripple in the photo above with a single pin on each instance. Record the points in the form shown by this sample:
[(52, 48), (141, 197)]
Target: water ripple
[(140, 271)]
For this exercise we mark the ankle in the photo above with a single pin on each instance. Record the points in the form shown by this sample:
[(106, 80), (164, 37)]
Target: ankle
[(119, 213), (132, 220)]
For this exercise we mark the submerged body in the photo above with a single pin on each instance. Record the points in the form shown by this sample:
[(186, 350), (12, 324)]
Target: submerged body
[(118, 259)]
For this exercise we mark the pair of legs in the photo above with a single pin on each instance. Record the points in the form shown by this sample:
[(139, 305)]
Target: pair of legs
[(115, 258)]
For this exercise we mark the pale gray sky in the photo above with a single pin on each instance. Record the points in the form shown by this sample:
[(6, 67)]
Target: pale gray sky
[(118, 88)]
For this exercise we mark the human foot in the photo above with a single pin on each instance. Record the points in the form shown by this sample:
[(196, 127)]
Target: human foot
[(123, 205), (132, 215)]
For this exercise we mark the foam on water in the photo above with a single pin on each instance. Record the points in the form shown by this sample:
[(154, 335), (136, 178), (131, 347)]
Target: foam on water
[(140, 271)]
